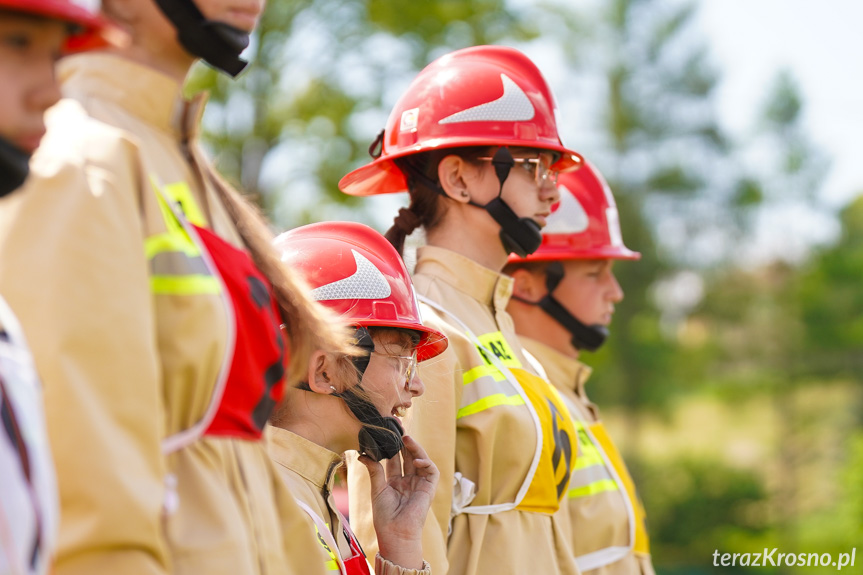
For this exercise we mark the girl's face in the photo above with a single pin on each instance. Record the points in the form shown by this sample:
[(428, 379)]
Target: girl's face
[(153, 34), (29, 48), (589, 290), (391, 379)]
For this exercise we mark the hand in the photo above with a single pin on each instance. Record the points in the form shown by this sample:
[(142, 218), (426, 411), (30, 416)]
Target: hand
[(401, 498)]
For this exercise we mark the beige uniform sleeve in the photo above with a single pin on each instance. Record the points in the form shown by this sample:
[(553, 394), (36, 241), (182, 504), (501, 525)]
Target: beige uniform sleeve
[(432, 422), (72, 266)]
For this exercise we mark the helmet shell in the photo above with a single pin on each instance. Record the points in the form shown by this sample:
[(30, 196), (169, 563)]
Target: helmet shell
[(357, 273), (93, 32), (479, 96), (584, 224)]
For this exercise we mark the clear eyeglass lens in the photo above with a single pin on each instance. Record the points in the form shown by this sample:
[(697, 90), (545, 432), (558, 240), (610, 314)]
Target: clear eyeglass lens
[(537, 168)]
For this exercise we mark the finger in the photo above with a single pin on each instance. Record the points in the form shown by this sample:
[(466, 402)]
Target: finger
[(394, 466), (377, 480), (410, 453)]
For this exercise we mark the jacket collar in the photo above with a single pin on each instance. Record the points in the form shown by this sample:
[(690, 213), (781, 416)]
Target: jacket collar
[(479, 282), (561, 369), (146, 93), (314, 463)]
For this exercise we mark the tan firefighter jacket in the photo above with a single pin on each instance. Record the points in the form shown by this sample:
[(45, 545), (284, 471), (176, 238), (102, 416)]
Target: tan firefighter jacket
[(131, 331), (500, 435), (609, 535), (309, 471)]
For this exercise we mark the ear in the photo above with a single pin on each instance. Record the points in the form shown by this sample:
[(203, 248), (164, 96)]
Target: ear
[(319, 381), (528, 285), (451, 173)]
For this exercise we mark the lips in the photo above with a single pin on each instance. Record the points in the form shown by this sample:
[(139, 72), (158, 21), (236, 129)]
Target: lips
[(29, 142), (245, 18)]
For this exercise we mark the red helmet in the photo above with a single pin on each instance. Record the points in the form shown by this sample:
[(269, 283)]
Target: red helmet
[(94, 32), (357, 273), (480, 96), (584, 224)]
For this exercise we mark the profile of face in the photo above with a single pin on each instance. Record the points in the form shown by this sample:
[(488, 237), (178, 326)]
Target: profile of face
[(390, 380), (29, 49), (589, 290), (149, 27), (529, 188)]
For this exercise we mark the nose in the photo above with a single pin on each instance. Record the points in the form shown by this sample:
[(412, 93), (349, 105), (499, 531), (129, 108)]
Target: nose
[(548, 191), (415, 386), (615, 291), (46, 91)]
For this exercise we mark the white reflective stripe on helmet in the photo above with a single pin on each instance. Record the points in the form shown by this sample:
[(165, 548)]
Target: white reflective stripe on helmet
[(92, 6)]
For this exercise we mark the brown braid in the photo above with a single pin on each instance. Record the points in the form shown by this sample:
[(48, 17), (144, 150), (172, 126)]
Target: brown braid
[(426, 208)]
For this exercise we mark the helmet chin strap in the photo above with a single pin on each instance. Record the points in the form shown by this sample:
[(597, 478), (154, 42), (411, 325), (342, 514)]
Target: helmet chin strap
[(14, 167), (217, 43), (380, 437), (519, 236), (584, 337)]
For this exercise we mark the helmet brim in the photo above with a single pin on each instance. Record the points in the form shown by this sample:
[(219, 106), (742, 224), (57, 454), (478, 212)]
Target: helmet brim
[(432, 342), (552, 255), (94, 31), (382, 176)]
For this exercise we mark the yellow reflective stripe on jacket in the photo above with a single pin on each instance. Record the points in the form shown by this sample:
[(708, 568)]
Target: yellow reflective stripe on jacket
[(176, 265), (187, 285), (590, 474), (488, 403), (592, 488), (475, 373), (486, 386)]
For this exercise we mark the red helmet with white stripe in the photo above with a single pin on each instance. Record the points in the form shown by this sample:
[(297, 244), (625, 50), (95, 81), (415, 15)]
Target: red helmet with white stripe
[(357, 273), (584, 224), (93, 31), (479, 96)]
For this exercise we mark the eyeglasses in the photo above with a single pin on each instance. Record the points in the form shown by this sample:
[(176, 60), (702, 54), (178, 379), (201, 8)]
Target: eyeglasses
[(409, 362), (536, 167)]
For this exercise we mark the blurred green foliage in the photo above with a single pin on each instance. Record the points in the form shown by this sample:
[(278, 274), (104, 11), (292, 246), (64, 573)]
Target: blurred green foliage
[(776, 349)]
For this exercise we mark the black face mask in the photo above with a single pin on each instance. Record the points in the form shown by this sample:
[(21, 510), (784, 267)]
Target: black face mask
[(519, 236), (380, 437), (14, 167), (586, 337), (217, 43)]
